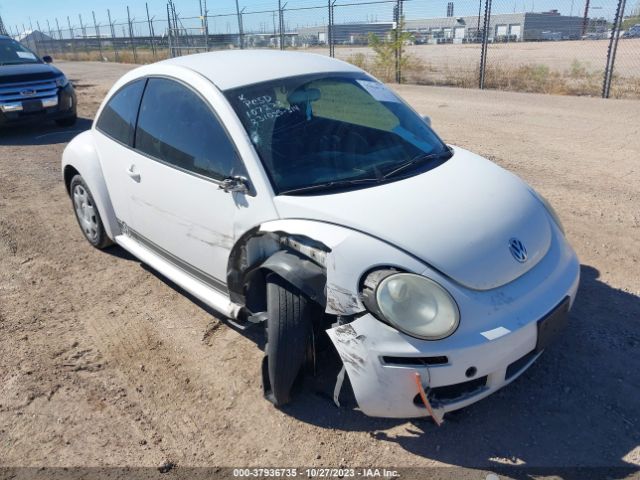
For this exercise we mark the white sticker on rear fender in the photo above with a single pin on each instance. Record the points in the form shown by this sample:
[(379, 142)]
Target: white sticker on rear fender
[(495, 333)]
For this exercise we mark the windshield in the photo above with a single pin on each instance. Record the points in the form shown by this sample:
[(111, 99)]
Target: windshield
[(13, 53), (333, 129)]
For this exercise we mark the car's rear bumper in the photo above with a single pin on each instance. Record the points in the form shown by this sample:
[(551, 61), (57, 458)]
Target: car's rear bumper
[(495, 346), (63, 105)]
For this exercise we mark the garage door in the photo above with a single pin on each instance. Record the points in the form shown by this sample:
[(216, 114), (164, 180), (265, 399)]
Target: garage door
[(459, 32), (501, 30), (514, 30)]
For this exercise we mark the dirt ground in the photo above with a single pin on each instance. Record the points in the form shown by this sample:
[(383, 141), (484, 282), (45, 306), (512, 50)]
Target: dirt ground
[(590, 54), (104, 363)]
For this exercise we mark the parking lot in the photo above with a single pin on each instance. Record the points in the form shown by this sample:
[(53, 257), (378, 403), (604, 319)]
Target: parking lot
[(103, 362)]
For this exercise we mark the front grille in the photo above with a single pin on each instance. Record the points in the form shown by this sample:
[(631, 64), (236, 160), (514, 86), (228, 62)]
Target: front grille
[(415, 361), (41, 89), (518, 365), (451, 393)]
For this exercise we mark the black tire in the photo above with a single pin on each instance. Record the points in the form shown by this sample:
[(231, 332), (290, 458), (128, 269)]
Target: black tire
[(289, 336), (67, 121), (95, 232)]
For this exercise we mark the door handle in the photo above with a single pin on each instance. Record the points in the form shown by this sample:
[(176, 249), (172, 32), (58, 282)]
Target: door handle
[(133, 174)]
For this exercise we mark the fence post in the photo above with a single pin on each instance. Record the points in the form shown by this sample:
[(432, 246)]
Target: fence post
[(33, 37), (398, 39), (51, 36), (84, 35), (96, 29), (113, 37), (613, 47), (485, 41), (329, 9), (240, 32), (62, 45), (585, 18), (206, 24), (281, 23), (151, 33), (169, 32), (73, 39), (133, 46), (40, 32)]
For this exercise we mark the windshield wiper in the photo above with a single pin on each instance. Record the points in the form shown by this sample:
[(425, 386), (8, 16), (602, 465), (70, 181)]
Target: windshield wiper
[(333, 185), (419, 159)]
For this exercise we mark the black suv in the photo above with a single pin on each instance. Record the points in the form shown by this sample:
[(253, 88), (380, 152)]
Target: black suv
[(31, 90)]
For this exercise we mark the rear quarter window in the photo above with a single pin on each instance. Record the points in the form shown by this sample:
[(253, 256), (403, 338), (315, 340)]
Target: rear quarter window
[(118, 118)]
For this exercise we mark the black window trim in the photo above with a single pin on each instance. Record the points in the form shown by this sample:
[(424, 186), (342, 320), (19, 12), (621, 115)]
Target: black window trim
[(163, 162), (97, 120)]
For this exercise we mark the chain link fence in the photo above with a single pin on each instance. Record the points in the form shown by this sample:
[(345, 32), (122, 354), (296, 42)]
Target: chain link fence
[(571, 47)]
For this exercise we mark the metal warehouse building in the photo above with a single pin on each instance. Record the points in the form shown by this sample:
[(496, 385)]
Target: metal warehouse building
[(503, 27), (345, 33), (526, 26)]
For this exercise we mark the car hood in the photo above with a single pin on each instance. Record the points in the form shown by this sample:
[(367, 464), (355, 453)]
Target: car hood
[(459, 218), (27, 72)]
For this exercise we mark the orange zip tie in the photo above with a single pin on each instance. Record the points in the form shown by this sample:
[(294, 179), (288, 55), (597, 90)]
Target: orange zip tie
[(423, 396)]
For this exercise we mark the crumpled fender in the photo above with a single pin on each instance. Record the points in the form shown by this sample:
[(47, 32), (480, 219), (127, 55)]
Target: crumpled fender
[(350, 254), (81, 155)]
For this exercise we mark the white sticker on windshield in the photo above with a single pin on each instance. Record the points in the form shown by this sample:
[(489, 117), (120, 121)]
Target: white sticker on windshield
[(379, 91), (28, 55)]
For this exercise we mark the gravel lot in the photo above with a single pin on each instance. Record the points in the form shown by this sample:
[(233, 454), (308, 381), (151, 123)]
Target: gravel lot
[(104, 363)]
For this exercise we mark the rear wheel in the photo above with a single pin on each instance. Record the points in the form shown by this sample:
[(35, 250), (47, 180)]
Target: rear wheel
[(289, 338), (87, 213)]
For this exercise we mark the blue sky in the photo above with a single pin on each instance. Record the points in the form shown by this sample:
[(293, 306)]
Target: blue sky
[(15, 13)]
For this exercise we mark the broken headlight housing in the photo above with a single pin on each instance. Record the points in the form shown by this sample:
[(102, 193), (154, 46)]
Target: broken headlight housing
[(413, 304)]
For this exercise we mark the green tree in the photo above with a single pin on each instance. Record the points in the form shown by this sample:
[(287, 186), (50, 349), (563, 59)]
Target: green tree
[(386, 49), (629, 22)]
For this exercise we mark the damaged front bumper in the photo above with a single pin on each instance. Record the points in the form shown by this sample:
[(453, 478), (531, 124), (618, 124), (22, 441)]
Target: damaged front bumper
[(496, 342), (381, 366)]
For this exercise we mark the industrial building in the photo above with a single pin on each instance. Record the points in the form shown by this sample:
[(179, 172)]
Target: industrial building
[(503, 27)]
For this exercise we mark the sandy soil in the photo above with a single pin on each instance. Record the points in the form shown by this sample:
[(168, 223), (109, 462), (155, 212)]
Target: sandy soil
[(103, 363)]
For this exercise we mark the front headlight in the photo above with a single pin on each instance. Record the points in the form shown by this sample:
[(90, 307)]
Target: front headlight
[(61, 81), (412, 303)]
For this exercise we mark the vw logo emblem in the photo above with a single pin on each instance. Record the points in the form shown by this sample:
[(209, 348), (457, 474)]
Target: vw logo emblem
[(28, 93), (517, 249)]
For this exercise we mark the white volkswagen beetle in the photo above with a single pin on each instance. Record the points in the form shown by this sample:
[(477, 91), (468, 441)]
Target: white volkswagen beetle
[(297, 191)]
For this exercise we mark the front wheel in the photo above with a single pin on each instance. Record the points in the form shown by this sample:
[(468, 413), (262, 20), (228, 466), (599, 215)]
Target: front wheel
[(87, 213), (289, 337)]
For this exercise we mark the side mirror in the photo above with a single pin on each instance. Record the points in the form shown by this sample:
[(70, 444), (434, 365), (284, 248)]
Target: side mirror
[(47, 59), (234, 184), (427, 119)]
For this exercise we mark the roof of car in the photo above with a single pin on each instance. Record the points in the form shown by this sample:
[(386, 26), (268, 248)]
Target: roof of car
[(235, 68)]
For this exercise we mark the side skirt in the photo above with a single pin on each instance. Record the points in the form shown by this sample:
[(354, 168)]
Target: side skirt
[(205, 293)]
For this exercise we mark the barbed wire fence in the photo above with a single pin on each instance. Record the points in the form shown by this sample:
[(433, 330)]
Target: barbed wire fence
[(574, 47)]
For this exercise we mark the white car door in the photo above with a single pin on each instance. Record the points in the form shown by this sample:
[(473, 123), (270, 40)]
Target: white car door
[(114, 134), (182, 153)]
